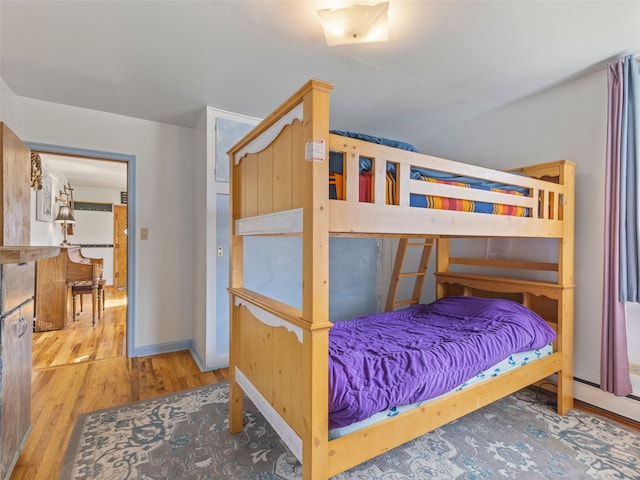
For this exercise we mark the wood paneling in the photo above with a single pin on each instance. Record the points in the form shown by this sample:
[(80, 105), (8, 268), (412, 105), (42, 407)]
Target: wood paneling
[(271, 180), (271, 370), (282, 175), (250, 187), (297, 154), (265, 181)]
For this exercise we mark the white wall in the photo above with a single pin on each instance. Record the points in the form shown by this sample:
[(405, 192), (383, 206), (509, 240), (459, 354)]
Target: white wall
[(566, 122), (96, 227), (97, 195), (164, 157), (7, 104)]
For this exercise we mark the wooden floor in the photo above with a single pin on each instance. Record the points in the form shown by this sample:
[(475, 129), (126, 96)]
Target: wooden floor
[(84, 368)]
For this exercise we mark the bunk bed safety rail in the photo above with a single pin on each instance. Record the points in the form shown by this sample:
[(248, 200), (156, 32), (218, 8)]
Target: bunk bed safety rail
[(542, 198)]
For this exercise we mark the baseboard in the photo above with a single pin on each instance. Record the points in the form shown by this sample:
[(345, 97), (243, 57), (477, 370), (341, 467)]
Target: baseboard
[(591, 394), (219, 361), (163, 348), (197, 358), (628, 407)]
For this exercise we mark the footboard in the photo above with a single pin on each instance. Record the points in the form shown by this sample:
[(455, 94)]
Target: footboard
[(270, 361)]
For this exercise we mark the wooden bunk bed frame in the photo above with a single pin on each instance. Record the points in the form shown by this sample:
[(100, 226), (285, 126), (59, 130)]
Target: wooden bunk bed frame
[(279, 354)]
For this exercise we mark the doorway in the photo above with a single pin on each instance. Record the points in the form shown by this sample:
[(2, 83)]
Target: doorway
[(91, 158)]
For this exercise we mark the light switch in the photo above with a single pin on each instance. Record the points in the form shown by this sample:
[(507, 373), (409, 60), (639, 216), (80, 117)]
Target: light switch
[(144, 233)]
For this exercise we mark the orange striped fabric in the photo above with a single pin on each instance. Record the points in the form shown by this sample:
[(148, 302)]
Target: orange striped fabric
[(336, 190), (444, 203)]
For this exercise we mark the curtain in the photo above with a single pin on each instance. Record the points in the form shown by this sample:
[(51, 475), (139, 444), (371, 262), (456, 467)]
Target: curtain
[(629, 138), (621, 269)]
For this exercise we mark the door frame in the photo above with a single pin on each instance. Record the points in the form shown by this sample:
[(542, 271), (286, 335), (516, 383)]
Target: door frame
[(130, 160)]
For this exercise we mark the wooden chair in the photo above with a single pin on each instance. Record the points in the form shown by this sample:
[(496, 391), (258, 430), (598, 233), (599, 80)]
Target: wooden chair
[(102, 294), (96, 288), (81, 289), (101, 281)]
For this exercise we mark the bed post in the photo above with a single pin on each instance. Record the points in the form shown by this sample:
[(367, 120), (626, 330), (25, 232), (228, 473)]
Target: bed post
[(566, 280), (236, 269), (315, 275)]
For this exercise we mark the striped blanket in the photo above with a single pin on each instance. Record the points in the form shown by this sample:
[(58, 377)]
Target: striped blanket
[(336, 191)]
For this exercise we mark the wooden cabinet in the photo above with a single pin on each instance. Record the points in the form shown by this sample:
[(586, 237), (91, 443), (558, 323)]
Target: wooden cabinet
[(17, 281), (15, 367), (17, 278)]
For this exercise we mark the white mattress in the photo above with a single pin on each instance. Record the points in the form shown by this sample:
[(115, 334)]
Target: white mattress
[(509, 363)]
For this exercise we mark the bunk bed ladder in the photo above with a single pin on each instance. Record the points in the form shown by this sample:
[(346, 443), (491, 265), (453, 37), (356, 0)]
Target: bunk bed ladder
[(419, 275)]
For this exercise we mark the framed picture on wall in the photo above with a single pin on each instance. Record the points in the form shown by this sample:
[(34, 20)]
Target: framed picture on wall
[(44, 201)]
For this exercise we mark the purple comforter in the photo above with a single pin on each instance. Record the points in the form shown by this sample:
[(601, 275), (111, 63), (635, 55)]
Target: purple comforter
[(397, 358)]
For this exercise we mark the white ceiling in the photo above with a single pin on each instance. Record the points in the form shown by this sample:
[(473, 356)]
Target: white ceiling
[(89, 173), (446, 61)]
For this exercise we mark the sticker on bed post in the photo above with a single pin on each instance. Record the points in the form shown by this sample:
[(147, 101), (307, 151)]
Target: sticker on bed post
[(315, 150)]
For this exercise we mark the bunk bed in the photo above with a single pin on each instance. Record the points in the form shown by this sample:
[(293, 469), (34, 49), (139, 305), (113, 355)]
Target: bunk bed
[(280, 185)]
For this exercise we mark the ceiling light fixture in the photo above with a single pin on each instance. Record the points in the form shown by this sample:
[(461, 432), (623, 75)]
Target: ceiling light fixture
[(355, 24)]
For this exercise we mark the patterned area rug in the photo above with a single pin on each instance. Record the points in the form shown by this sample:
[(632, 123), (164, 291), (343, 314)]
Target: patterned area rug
[(185, 436)]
